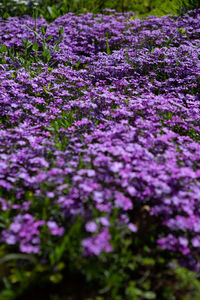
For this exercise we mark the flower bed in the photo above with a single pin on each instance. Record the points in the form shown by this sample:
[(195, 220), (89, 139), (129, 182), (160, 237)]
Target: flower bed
[(99, 149)]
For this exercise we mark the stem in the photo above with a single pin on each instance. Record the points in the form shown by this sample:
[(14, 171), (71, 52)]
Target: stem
[(35, 28)]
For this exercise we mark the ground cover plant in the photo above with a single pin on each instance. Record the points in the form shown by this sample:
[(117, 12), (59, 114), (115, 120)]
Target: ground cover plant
[(100, 157)]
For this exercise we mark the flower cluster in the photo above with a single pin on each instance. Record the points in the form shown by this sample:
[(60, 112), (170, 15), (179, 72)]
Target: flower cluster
[(110, 124)]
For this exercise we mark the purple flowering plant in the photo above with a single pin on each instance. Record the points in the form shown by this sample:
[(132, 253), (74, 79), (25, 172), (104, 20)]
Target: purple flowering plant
[(100, 152)]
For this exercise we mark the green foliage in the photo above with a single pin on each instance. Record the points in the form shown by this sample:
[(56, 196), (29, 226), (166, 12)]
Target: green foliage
[(135, 270), (107, 46), (185, 5), (46, 49), (51, 10), (38, 51), (189, 281)]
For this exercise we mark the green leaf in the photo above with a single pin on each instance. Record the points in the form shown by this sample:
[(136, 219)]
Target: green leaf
[(13, 75), (149, 295), (107, 46), (6, 15), (50, 37), (61, 30), (43, 29), (49, 9), (52, 11), (35, 13), (60, 266), (56, 278), (46, 55), (35, 32), (45, 89), (13, 256), (35, 46), (57, 48), (3, 49)]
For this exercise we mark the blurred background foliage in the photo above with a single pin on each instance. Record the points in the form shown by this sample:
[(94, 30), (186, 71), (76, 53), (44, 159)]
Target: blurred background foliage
[(51, 9)]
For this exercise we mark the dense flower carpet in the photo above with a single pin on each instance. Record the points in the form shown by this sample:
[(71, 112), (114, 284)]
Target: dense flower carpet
[(100, 122)]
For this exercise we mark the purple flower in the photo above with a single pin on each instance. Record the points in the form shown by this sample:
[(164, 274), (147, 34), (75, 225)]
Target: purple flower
[(104, 221), (54, 228), (98, 243), (196, 242), (91, 226), (132, 227), (122, 201)]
